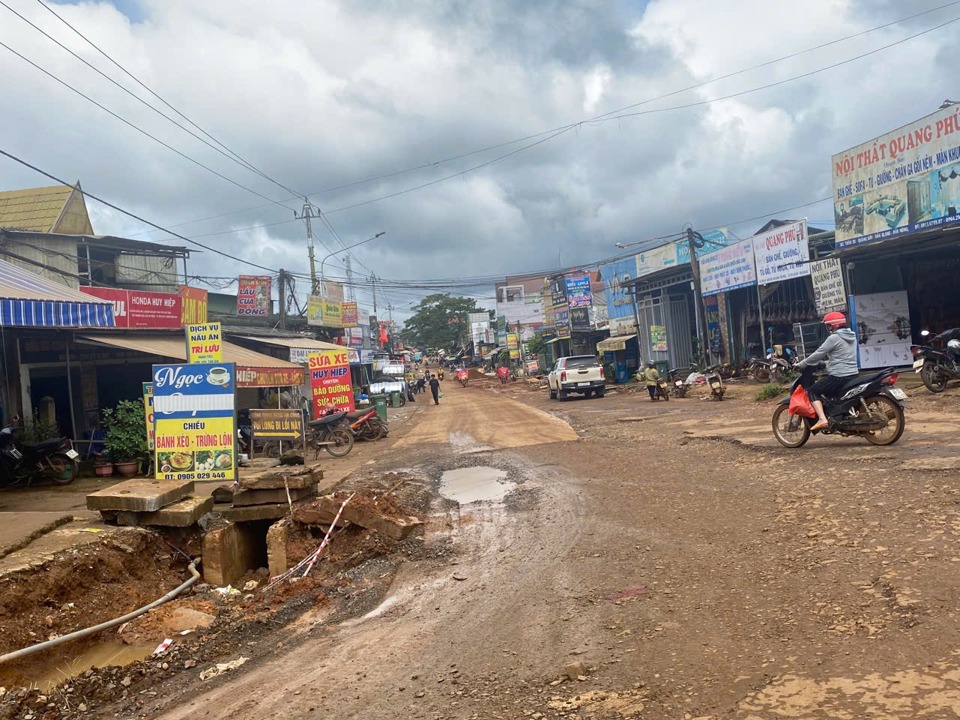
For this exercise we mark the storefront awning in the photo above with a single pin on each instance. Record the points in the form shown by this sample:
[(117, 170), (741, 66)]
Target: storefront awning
[(612, 344), (302, 347), (551, 342), (253, 369), (493, 353), (30, 300)]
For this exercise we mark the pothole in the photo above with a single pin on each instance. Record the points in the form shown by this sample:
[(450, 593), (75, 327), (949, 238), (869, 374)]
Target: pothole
[(475, 484), (105, 654)]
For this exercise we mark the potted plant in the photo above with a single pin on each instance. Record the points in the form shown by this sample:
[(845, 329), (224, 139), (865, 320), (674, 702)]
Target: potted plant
[(103, 465), (125, 434)]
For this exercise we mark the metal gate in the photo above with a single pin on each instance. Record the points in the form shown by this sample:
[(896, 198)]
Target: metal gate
[(674, 316)]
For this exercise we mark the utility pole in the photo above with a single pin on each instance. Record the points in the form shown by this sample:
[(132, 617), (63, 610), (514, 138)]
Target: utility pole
[(373, 286), (283, 299), (694, 242), (349, 265), (307, 214)]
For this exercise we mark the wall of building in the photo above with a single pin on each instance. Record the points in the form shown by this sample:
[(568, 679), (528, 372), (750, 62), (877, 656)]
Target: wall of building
[(148, 272), (52, 257)]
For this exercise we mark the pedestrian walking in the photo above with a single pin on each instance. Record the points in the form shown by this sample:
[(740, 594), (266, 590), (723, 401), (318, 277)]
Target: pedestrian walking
[(435, 389), (652, 377)]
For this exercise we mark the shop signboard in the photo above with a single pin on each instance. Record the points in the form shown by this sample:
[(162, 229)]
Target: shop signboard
[(782, 253), (713, 240), (513, 345), (905, 181), (330, 381), (314, 310), (331, 290), (194, 421), (253, 295), (204, 343), (194, 302), (148, 414), (269, 377), (578, 291), (331, 313), (580, 319), (882, 324), (615, 277), (139, 309), (728, 268), (659, 258), (658, 338), (280, 425), (349, 315), (829, 292)]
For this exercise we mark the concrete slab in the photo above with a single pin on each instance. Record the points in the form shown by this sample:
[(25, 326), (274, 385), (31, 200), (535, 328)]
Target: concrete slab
[(244, 497), (231, 552), (393, 527), (182, 513), (19, 529), (278, 479), (252, 513), (73, 534), (140, 495)]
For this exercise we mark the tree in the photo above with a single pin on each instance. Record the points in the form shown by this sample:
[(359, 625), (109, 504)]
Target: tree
[(440, 321), (536, 345)]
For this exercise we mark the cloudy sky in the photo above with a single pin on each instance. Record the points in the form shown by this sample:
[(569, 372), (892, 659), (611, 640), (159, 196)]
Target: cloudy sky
[(485, 137)]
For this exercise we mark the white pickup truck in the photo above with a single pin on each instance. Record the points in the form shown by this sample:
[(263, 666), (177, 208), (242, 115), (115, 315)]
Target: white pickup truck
[(390, 379), (576, 374)]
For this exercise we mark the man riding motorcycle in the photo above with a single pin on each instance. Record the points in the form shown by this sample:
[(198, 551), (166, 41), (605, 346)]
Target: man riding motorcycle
[(840, 352)]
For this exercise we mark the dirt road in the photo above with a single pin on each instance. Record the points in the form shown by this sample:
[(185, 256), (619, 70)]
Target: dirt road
[(694, 577)]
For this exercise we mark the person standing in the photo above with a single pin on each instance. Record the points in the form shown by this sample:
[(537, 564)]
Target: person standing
[(652, 377), (435, 389)]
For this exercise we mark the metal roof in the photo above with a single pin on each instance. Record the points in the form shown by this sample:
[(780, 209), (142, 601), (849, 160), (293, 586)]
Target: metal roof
[(19, 284), (36, 209), (175, 348), (296, 342)]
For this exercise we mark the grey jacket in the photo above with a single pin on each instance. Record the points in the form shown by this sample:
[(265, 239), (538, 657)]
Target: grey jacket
[(840, 350)]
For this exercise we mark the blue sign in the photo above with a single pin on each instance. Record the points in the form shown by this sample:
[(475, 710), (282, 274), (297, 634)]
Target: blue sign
[(194, 391), (615, 275), (578, 292), (714, 240)]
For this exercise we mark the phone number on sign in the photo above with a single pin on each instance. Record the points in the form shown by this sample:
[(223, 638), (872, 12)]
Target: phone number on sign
[(196, 476)]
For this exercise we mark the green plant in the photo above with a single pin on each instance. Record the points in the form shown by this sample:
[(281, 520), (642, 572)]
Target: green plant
[(125, 431), (609, 372), (38, 430), (770, 391)]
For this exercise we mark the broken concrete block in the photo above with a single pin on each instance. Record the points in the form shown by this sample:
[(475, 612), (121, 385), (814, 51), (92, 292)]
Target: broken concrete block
[(312, 513), (141, 495), (250, 513), (324, 509), (575, 670), (277, 537), (183, 619), (223, 494), (244, 497), (278, 479), (229, 553), (183, 513)]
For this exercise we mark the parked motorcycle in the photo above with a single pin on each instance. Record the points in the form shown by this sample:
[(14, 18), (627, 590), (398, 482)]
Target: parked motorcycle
[(663, 390), (938, 365), (366, 424), (678, 381), (331, 433), (24, 463), (463, 377), (869, 407), (775, 368), (715, 381)]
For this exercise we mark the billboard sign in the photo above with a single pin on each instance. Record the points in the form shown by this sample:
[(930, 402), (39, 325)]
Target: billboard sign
[(829, 292), (905, 181), (349, 315), (253, 295), (651, 261), (578, 291), (204, 343), (194, 301), (728, 268), (782, 253), (139, 309), (330, 381), (194, 421)]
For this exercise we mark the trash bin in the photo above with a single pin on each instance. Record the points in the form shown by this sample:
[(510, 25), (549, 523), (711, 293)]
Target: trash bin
[(395, 398), (663, 367), (381, 402)]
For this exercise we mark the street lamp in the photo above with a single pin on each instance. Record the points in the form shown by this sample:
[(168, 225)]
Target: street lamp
[(348, 247)]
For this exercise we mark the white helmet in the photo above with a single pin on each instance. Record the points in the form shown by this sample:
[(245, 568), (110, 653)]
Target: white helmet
[(954, 345)]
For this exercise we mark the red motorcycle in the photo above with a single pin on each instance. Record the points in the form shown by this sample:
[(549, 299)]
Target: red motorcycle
[(464, 377), (503, 372), (367, 425)]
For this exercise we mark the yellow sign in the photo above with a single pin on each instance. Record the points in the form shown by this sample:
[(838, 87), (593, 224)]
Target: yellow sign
[(195, 449), (204, 343), (331, 314), (148, 413), (513, 345)]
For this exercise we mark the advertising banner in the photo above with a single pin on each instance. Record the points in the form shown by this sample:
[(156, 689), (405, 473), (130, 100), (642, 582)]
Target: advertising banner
[(782, 253), (711, 311), (651, 261), (578, 292), (580, 319), (194, 421), (882, 324), (330, 381), (314, 310), (905, 181), (615, 275), (713, 241), (269, 377), (331, 290), (331, 313), (829, 292), (148, 414), (194, 302), (253, 295), (728, 268), (204, 343), (658, 338), (139, 309), (349, 315), (513, 345)]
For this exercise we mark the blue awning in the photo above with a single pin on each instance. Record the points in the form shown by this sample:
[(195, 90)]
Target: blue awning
[(30, 300)]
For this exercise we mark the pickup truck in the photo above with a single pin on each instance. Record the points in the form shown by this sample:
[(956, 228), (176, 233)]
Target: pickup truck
[(576, 374), (389, 380)]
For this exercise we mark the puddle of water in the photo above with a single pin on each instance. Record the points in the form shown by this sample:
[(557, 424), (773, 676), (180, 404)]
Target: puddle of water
[(100, 655), (470, 485)]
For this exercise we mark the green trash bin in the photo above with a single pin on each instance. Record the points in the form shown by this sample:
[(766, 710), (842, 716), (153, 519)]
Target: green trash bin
[(381, 402), (395, 398)]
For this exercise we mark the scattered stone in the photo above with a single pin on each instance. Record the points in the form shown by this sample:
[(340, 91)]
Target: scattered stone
[(575, 670)]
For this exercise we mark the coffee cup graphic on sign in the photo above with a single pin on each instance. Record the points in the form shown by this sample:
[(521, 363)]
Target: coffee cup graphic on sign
[(218, 376)]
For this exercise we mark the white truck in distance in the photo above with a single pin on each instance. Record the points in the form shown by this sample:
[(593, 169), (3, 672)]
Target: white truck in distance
[(576, 374)]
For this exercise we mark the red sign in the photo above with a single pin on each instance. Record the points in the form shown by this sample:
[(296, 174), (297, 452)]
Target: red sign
[(268, 377), (348, 314), (330, 381), (194, 305), (253, 295), (139, 309)]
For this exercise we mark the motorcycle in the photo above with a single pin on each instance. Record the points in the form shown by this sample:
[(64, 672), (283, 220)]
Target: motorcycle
[(663, 390), (680, 386), (23, 463), (775, 368), (869, 407), (503, 373), (936, 365), (715, 381), (331, 433), (463, 377), (366, 424)]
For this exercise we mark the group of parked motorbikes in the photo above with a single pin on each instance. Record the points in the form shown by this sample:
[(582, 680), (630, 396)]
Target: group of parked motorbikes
[(335, 431)]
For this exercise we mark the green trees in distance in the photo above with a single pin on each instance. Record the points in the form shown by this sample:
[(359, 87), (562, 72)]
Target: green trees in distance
[(440, 321)]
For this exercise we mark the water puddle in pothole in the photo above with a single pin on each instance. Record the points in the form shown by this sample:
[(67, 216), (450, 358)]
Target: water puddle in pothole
[(107, 654), (474, 484)]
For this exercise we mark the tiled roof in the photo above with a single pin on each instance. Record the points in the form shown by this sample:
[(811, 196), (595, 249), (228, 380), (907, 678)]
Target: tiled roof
[(36, 209)]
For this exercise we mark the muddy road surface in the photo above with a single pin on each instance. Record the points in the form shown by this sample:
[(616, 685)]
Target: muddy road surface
[(615, 558)]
